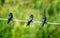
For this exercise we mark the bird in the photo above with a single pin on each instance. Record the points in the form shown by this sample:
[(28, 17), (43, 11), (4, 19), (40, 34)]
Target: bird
[(44, 18), (10, 16), (30, 19)]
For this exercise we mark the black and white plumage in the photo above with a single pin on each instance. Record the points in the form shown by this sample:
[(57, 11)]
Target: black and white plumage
[(10, 16), (30, 19), (44, 20)]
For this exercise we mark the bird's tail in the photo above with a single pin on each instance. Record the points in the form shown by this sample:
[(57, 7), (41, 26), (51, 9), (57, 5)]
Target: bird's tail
[(43, 25), (8, 21), (28, 23)]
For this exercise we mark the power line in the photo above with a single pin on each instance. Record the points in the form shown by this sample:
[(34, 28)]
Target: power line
[(33, 21)]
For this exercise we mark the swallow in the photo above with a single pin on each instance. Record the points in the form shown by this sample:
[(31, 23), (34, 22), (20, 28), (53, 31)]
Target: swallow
[(30, 19), (10, 16), (44, 20)]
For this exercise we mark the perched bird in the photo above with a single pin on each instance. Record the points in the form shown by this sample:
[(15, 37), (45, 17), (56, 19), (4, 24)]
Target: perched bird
[(30, 19), (44, 20), (10, 16)]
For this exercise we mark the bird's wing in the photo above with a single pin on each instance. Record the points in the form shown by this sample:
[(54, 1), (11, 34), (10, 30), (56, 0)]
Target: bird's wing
[(29, 19), (9, 16)]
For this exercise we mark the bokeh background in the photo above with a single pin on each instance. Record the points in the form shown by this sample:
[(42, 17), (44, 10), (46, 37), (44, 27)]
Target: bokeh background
[(21, 10)]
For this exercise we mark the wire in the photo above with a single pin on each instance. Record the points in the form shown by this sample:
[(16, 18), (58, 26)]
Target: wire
[(14, 20), (33, 21), (3, 19), (53, 23)]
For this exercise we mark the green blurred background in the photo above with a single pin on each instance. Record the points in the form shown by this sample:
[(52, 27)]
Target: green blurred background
[(21, 10)]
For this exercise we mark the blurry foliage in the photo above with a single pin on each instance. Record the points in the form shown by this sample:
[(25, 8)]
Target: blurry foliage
[(51, 11), (2, 2), (58, 7), (22, 9), (51, 1)]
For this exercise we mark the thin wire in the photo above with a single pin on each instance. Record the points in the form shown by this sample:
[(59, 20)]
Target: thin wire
[(33, 21), (53, 23), (3, 19)]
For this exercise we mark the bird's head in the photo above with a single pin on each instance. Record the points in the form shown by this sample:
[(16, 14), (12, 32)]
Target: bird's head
[(11, 13), (31, 14)]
